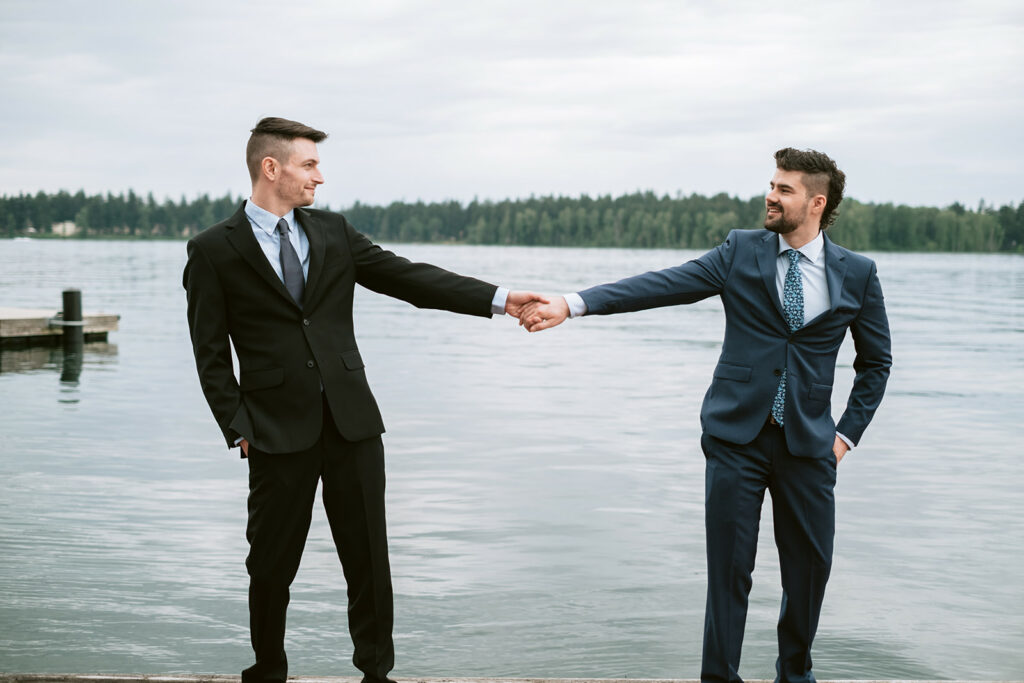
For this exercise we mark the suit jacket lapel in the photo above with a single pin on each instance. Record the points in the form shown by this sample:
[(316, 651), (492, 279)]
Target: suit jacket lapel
[(244, 242), (835, 273), (314, 230), (767, 255)]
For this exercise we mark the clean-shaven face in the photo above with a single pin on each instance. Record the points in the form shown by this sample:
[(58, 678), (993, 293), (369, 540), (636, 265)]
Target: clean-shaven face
[(300, 174), (787, 203)]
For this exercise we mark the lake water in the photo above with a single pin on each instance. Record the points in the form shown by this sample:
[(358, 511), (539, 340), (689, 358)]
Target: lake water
[(545, 492)]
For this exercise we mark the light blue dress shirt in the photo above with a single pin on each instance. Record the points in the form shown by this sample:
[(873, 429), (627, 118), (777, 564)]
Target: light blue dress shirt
[(264, 227)]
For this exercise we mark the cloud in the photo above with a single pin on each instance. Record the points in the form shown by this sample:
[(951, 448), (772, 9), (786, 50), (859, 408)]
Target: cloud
[(498, 98)]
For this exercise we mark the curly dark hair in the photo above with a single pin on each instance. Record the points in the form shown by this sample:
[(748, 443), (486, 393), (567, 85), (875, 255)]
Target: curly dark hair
[(271, 138), (822, 176)]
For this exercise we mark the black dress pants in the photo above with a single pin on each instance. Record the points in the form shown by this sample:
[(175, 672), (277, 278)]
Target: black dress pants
[(282, 488), (803, 505)]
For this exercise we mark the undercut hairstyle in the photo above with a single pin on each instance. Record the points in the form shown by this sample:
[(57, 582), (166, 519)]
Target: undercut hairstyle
[(821, 176), (272, 137)]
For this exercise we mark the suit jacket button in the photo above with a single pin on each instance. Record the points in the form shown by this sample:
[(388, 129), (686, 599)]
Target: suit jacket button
[(778, 373), (309, 363), (305, 321)]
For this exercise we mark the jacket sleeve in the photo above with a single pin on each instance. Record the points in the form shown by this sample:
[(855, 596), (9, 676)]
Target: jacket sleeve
[(420, 284), (692, 281), (208, 327), (872, 343)]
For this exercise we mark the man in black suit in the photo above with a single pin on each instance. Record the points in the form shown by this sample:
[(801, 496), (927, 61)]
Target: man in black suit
[(790, 296), (277, 281)]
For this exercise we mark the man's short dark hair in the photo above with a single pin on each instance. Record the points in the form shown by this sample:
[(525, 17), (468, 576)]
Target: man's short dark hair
[(271, 138), (821, 176)]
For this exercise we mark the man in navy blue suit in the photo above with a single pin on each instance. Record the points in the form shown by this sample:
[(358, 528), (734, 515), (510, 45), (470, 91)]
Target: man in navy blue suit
[(790, 295)]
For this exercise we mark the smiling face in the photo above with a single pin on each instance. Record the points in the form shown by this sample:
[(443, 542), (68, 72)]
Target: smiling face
[(298, 175), (787, 205)]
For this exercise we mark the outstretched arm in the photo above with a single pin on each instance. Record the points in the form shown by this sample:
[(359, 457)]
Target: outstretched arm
[(683, 284)]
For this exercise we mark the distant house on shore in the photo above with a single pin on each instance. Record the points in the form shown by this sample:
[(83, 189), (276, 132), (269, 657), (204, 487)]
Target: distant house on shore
[(64, 228)]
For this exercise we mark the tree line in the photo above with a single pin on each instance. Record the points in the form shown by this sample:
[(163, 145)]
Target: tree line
[(637, 220)]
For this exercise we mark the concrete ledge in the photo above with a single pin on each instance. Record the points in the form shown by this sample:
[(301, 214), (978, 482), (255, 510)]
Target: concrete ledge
[(220, 678)]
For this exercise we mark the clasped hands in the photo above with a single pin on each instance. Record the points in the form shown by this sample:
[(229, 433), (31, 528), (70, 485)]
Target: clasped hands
[(536, 312)]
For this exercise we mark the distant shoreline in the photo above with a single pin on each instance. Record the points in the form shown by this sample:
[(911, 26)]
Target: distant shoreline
[(452, 243), (638, 220)]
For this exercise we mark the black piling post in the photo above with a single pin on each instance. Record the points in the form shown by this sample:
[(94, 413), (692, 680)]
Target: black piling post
[(73, 334)]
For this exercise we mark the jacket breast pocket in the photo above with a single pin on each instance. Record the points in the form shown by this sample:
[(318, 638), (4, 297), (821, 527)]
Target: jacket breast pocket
[(737, 373), (352, 359), (261, 379), (819, 392)]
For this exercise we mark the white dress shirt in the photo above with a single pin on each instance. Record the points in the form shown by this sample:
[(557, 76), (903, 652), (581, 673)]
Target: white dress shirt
[(812, 269)]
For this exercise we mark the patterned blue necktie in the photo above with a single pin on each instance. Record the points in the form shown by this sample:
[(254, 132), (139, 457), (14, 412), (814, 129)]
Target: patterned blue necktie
[(793, 307), (291, 267)]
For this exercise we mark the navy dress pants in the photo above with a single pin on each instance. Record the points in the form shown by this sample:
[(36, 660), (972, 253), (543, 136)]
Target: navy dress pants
[(803, 502), (282, 489)]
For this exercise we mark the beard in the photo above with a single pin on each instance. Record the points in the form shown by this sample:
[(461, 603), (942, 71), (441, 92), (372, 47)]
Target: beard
[(781, 223)]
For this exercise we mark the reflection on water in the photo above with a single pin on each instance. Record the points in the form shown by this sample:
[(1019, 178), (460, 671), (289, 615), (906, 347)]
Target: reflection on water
[(545, 492), (68, 363)]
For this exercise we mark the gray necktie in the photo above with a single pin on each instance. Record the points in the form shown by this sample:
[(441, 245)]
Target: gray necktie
[(793, 307), (291, 267)]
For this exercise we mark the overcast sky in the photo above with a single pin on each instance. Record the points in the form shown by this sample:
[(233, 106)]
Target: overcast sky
[(919, 101)]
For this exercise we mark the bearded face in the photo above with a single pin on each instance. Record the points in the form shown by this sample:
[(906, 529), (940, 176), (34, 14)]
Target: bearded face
[(784, 219), (787, 203)]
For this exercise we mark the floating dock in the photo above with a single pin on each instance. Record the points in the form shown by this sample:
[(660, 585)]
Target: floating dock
[(24, 327)]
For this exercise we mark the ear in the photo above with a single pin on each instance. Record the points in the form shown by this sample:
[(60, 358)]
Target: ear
[(818, 203), (269, 168)]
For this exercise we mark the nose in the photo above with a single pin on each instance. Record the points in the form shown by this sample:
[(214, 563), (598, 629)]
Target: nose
[(318, 178)]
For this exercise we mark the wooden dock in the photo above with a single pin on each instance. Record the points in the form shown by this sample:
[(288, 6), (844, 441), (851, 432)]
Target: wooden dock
[(24, 327), (212, 678)]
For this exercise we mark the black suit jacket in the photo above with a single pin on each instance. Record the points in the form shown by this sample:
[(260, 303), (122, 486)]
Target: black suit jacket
[(287, 354)]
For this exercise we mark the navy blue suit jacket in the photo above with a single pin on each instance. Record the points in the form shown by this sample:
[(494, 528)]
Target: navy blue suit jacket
[(758, 343)]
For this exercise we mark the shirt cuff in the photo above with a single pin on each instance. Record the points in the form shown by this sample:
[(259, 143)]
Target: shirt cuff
[(845, 439), (577, 306), (499, 301)]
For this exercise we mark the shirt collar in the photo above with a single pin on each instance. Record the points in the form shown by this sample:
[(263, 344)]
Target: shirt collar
[(812, 250), (266, 221)]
